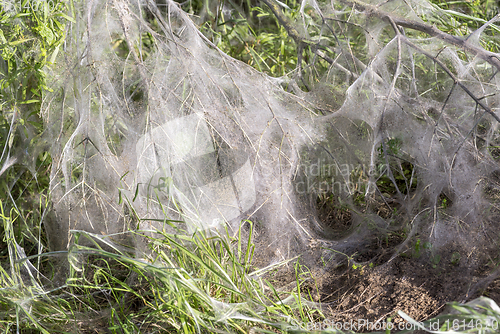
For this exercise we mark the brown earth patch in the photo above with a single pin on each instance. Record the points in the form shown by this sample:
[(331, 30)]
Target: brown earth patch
[(369, 295), (372, 286)]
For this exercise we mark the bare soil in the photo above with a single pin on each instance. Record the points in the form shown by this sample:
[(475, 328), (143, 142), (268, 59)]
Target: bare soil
[(372, 286), (378, 293)]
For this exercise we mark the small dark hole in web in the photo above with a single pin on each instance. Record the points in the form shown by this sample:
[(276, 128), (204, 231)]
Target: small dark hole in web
[(444, 201), (335, 218)]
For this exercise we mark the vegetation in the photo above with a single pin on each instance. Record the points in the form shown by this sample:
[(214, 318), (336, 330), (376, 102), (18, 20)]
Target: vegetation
[(189, 283)]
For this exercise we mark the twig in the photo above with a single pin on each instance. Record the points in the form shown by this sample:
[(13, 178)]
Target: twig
[(464, 44)]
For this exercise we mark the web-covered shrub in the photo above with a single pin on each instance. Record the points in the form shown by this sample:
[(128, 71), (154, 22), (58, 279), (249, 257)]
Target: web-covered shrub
[(386, 117)]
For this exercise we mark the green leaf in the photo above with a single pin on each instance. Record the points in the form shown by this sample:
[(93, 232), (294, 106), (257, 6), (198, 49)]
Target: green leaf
[(69, 18), (46, 34), (20, 41), (54, 55), (29, 101), (2, 37)]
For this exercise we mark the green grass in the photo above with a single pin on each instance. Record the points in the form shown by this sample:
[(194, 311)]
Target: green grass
[(182, 283)]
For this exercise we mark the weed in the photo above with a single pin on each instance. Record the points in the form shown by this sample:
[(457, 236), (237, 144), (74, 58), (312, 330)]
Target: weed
[(455, 258)]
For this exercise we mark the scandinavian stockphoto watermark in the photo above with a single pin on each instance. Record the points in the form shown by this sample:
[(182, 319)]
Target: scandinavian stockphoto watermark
[(325, 177), (366, 325)]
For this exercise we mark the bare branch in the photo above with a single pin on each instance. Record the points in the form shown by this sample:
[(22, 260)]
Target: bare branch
[(455, 79), (464, 44), (371, 10)]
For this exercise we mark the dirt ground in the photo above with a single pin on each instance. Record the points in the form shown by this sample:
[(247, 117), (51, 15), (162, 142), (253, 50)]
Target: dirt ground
[(405, 284), (372, 287)]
